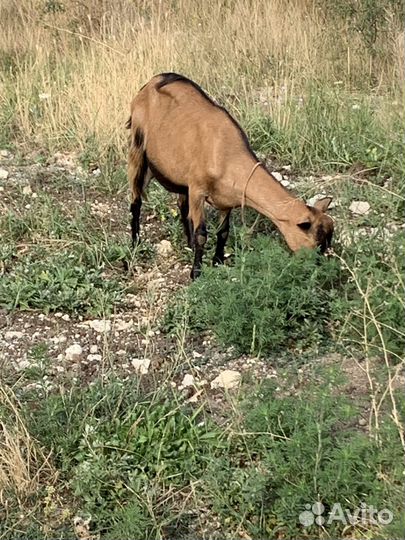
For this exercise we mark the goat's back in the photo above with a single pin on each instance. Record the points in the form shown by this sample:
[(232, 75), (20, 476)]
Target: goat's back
[(186, 136)]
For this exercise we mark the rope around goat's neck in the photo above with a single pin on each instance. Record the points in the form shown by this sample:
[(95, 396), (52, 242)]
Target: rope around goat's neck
[(245, 188)]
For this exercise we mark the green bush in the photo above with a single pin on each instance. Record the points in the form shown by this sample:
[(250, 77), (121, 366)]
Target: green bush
[(119, 451), (269, 300), (58, 281), (299, 450)]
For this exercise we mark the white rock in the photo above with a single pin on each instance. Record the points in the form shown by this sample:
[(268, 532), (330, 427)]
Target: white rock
[(65, 317), (5, 154), (141, 365), (196, 354), (120, 325), (227, 379), (188, 380), (285, 183), (164, 248), (3, 174), (101, 326), (73, 352), (13, 334), (93, 349), (23, 364), (278, 176), (360, 208), (94, 357), (27, 190), (96, 172), (287, 167)]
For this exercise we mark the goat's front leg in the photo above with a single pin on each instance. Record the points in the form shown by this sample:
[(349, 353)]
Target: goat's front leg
[(222, 237), (182, 202), (196, 215)]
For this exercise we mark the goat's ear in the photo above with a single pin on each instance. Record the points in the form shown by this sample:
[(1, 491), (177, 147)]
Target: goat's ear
[(323, 204), (305, 225)]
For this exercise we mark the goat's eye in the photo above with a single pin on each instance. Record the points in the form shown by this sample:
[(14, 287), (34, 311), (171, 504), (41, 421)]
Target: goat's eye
[(305, 225)]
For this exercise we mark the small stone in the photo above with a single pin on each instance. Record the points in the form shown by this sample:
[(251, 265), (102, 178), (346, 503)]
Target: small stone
[(93, 349), (5, 154), (65, 317), (164, 248), (141, 365), (196, 354), (73, 352), (286, 167), (13, 334), (278, 176), (3, 174), (27, 190), (359, 208), (121, 325), (362, 422), (94, 357), (285, 183), (100, 326), (96, 172), (188, 380), (227, 379)]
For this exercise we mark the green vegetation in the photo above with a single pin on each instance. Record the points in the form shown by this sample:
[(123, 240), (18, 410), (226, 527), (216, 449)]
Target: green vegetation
[(317, 87)]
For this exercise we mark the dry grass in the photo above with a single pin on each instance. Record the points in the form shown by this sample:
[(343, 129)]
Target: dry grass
[(90, 58), (23, 466)]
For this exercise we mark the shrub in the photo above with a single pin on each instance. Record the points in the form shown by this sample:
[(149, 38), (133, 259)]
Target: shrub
[(268, 301)]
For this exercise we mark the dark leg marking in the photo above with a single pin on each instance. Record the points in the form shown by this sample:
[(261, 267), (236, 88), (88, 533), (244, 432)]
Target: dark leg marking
[(222, 237), (136, 212), (200, 237), (183, 205)]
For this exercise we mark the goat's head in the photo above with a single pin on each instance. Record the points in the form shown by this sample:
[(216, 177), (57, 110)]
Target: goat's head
[(314, 230)]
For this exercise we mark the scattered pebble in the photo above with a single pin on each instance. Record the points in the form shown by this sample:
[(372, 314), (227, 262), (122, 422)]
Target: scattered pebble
[(94, 357), (188, 380), (141, 365), (73, 352), (99, 325), (3, 174), (164, 248), (93, 349), (121, 325), (27, 190), (359, 208), (278, 176), (13, 334), (227, 379)]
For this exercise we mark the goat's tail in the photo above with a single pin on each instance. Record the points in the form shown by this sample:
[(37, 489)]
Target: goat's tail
[(137, 162)]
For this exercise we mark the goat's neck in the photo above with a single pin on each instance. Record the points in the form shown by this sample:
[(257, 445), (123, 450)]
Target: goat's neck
[(266, 195)]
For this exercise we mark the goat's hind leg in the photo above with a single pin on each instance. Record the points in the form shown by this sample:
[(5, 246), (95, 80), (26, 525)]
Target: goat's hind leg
[(138, 176), (196, 214)]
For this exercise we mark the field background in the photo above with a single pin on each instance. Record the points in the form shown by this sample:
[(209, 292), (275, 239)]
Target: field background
[(101, 434)]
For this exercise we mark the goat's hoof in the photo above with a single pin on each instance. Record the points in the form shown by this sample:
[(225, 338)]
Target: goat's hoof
[(217, 261), (195, 273)]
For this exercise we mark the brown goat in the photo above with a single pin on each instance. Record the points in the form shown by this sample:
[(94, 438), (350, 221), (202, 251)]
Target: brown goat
[(196, 149)]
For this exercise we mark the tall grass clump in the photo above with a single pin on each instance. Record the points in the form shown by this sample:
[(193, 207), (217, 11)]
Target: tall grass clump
[(69, 69)]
